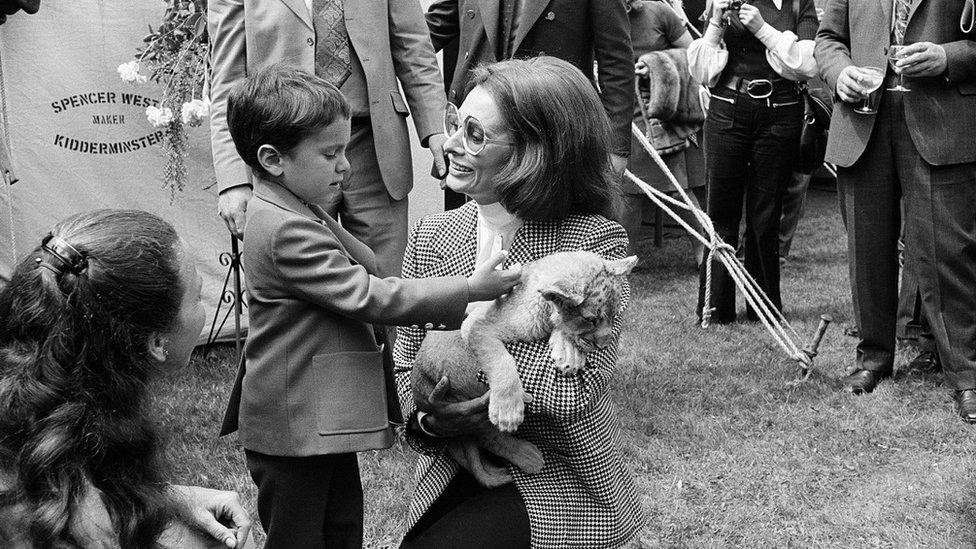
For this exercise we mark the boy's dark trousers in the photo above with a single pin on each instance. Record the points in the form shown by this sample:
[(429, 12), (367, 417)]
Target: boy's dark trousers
[(309, 502)]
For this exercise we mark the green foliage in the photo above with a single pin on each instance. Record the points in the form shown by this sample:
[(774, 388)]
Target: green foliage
[(177, 55)]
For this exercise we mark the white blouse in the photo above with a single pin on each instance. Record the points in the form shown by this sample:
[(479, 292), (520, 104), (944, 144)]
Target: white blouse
[(496, 229), (790, 57)]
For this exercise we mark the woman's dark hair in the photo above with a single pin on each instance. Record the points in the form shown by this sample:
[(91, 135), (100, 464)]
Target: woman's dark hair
[(560, 162), (74, 366)]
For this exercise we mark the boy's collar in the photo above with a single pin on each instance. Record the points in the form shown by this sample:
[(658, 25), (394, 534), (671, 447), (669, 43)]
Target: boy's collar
[(284, 198)]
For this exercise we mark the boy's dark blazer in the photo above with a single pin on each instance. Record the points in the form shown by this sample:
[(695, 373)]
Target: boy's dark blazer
[(313, 380), (573, 30), (939, 111)]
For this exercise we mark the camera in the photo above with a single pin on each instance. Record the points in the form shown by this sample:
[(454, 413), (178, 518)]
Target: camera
[(736, 5)]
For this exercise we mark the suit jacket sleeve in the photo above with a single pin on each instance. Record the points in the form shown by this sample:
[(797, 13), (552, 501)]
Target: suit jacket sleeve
[(311, 265), (833, 48), (567, 398), (615, 67), (960, 61), (443, 23), (416, 67), (225, 24)]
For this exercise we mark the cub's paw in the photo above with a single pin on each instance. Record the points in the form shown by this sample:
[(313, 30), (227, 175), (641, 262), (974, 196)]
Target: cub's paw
[(568, 358), (506, 409)]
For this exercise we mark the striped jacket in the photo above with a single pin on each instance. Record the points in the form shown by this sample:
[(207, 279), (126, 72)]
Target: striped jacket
[(584, 496)]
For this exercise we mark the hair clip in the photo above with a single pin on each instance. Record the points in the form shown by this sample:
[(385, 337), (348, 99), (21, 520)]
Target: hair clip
[(66, 254)]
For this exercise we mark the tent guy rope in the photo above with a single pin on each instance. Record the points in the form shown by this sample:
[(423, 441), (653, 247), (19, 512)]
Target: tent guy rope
[(772, 319)]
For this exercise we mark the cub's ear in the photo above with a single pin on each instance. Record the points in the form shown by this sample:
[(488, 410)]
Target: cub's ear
[(561, 297), (621, 267)]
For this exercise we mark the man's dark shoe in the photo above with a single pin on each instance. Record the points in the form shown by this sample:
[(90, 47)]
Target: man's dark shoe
[(966, 405), (864, 381), (927, 362)]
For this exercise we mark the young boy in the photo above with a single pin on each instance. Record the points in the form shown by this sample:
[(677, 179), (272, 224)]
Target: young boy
[(313, 389)]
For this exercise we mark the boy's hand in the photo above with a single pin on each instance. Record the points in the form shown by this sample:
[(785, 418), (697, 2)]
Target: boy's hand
[(487, 282)]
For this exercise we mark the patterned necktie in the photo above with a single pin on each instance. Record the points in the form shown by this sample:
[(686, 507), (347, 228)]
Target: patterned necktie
[(332, 61), (902, 7)]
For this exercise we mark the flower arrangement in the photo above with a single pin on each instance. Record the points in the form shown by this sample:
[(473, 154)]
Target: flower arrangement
[(176, 56)]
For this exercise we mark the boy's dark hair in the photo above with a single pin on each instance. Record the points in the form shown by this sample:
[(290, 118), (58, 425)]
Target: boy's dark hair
[(560, 162), (279, 106)]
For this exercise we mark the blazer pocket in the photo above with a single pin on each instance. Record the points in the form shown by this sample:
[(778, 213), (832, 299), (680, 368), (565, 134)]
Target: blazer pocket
[(352, 392), (399, 105)]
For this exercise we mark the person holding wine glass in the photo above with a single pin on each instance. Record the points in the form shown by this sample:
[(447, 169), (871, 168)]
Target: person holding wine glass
[(915, 149), (870, 79)]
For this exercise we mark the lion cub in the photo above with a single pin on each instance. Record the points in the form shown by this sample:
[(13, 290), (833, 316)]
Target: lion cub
[(571, 298)]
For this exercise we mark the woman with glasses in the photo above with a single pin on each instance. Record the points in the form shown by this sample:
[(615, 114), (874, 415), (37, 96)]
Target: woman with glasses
[(751, 56), (531, 146)]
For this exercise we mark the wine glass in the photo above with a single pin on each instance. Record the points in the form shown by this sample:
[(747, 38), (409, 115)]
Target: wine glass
[(894, 54), (871, 79)]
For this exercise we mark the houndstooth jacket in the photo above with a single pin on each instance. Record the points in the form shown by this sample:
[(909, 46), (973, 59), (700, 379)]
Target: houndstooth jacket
[(584, 496)]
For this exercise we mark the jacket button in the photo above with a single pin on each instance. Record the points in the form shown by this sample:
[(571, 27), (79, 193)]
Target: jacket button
[(311, 41), (441, 327), (429, 325), (551, 15), (470, 14), (414, 326)]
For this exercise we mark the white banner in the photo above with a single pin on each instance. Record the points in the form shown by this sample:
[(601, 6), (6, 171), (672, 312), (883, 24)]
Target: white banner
[(79, 138)]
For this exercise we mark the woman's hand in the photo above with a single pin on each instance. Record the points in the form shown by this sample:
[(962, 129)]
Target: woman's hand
[(750, 18), (449, 419), (487, 283), (205, 509)]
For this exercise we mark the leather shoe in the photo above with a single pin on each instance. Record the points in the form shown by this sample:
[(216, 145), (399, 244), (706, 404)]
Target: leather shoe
[(966, 405), (864, 381), (927, 362)]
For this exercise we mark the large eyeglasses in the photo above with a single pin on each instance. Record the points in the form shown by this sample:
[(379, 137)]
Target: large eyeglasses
[(473, 137)]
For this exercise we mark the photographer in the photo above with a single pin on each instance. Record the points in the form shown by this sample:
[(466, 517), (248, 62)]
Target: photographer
[(751, 57)]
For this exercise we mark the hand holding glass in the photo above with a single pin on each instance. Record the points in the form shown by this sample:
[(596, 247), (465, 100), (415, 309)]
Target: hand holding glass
[(895, 55), (870, 80)]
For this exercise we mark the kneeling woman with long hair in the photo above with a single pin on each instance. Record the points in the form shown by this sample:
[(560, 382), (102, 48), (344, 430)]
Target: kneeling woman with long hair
[(108, 300)]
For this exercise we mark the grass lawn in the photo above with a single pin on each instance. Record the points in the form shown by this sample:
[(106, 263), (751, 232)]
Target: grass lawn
[(725, 453)]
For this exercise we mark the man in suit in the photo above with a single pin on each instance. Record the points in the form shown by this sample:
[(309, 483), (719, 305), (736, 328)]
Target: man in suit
[(573, 30), (919, 145), (364, 47)]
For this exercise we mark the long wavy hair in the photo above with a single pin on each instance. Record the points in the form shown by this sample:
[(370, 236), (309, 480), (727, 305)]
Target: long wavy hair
[(74, 367)]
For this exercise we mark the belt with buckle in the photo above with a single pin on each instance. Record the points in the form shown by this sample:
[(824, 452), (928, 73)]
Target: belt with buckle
[(758, 88)]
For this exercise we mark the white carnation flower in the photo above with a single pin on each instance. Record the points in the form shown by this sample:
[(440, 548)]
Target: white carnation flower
[(195, 112), (129, 72), (159, 117)]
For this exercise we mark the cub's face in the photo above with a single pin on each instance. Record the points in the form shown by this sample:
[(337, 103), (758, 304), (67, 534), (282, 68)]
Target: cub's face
[(586, 311)]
